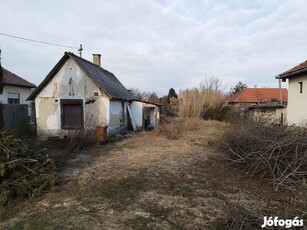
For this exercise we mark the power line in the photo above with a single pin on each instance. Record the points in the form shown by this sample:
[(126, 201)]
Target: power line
[(37, 41)]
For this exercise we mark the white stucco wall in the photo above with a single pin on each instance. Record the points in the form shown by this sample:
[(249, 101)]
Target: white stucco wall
[(22, 91), (297, 102), (69, 83), (137, 110), (118, 116)]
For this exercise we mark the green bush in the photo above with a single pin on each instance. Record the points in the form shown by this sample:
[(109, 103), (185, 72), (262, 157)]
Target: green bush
[(218, 112)]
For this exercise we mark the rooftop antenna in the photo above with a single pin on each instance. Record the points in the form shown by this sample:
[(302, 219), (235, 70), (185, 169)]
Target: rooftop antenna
[(80, 50)]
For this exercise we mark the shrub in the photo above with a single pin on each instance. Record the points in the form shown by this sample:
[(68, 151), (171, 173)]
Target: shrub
[(23, 172), (172, 129), (218, 112), (272, 151)]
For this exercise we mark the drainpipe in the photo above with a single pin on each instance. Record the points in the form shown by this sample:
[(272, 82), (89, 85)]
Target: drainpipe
[(280, 92)]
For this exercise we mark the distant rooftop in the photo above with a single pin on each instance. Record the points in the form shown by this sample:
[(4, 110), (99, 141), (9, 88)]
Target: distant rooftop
[(10, 78), (258, 95)]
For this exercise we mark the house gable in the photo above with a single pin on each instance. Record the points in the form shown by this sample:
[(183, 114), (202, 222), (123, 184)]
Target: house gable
[(69, 81), (69, 84), (104, 79)]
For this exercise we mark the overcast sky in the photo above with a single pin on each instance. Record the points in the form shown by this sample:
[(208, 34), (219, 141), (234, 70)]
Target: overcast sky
[(154, 45)]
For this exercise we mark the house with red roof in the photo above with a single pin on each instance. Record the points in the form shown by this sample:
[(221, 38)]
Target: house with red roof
[(254, 96), (297, 82), (260, 102)]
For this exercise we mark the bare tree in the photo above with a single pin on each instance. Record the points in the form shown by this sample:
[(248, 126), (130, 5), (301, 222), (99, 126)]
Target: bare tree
[(211, 84)]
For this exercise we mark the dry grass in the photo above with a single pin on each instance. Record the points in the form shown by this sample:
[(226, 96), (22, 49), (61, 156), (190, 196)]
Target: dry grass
[(193, 102), (150, 182), (173, 129)]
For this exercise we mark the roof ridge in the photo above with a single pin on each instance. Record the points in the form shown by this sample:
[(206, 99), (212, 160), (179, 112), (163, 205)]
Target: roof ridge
[(83, 59)]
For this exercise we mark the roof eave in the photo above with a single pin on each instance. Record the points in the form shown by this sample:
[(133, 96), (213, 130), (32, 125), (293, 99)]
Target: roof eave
[(282, 76), (25, 86), (148, 102)]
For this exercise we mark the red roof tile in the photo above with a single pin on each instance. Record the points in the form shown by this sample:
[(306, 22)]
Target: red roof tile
[(258, 95), (295, 70), (10, 78)]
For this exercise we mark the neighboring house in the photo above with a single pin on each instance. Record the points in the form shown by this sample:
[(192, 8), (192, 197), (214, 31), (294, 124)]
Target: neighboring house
[(253, 96), (297, 106), (15, 90), (261, 102), (79, 94)]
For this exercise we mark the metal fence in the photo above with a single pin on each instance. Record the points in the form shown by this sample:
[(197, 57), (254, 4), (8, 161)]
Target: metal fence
[(14, 117)]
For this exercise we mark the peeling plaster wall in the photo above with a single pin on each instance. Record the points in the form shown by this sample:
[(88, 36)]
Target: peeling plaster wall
[(69, 83)]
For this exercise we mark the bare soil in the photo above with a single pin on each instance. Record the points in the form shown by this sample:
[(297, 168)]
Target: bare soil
[(151, 182)]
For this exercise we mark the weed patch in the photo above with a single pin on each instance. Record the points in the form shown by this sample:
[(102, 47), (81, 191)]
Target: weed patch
[(29, 223)]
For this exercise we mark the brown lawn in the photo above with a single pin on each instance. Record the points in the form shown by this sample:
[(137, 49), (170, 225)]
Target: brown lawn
[(151, 182)]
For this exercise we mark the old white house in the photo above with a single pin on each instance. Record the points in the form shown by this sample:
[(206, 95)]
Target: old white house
[(79, 94), (14, 89), (297, 93)]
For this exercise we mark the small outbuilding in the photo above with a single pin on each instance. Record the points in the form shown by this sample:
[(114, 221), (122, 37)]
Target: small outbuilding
[(78, 94)]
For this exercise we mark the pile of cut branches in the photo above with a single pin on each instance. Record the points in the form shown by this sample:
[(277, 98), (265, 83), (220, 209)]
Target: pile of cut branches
[(23, 172), (277, 152)]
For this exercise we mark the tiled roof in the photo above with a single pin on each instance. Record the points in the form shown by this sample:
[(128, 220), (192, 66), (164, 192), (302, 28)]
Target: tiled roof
[(295, 70), (10, 78), (104, 79), (258, 95)]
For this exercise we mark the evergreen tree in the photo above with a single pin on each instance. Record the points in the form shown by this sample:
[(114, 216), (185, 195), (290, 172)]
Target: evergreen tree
[(172, 93), (238, 87)]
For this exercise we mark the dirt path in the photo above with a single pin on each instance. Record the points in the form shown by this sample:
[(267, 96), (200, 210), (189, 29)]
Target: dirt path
[(148, 182)]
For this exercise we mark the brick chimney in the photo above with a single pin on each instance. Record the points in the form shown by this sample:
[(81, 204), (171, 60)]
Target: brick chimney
[(97, 59)]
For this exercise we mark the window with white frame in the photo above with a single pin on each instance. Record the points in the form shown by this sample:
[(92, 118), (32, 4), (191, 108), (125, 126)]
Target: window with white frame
[(13, 98)]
